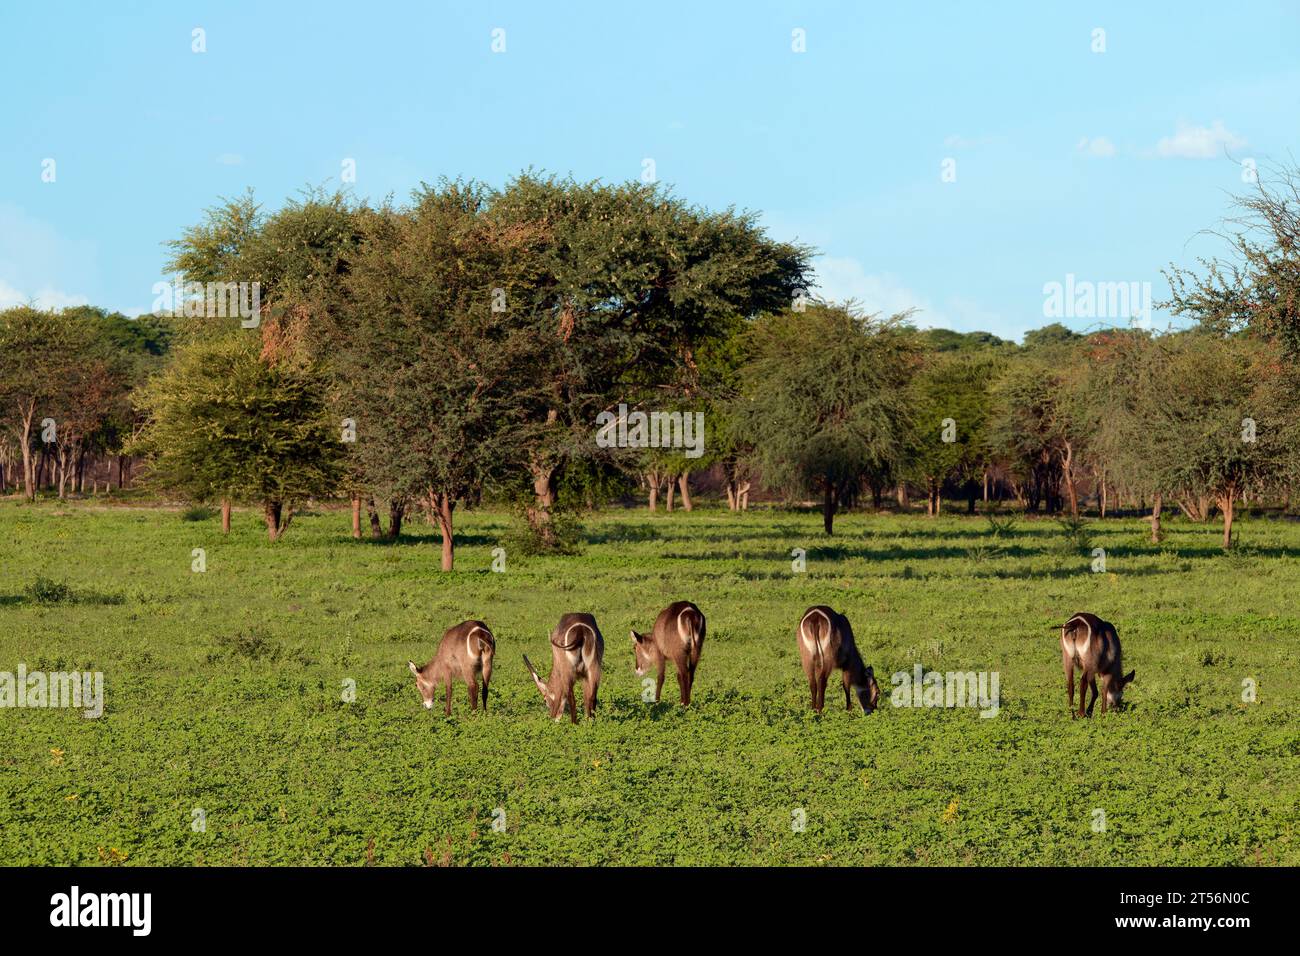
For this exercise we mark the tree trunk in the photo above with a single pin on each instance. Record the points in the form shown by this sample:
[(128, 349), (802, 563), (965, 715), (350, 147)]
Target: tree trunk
[(64, 470), (1155, 519), (986, 485), (29, 473), (356, 516), (539, 515), (668, 500), (396, 511), (902, 495), (743, 494), (443, 506), (225, 516), (1225, 505), (271, 511), (376, 528), (933, 497), (1067, 472), (731, 495), (684, 480), (828, 508)]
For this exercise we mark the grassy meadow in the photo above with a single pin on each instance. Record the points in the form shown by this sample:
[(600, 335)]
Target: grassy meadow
[(225, 693)]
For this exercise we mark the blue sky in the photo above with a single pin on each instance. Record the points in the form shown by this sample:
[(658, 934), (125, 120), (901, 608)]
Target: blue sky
[(1068, 161)]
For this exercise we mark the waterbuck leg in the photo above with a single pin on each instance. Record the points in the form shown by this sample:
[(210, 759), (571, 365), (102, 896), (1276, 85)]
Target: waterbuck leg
[(1092, 686), (1069, 687), (573, 706), (1105, 691), (485, 695), (659, 681), (683, 684), (473, 693), (447, 710), (589, 697), (848, 703)]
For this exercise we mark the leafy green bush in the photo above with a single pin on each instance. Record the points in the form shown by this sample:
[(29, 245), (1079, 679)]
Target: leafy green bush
[(1077, 535), (252, 644), (46, 591), (523, 538)]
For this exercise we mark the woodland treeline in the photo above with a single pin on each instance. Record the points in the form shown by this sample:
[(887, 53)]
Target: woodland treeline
[(461, 348)]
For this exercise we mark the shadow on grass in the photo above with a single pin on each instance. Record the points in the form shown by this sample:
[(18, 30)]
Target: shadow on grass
[(842, 552), (421, 541)]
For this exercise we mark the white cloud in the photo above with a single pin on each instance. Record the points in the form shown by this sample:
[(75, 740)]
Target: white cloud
[(1199, 142), (44, 299), (1098, 146), (839, 279), (37, 263)]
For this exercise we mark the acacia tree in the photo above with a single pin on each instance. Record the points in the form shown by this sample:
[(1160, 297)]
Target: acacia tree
[(1224, 423), (299, 256), (225, 423), (949, 401), (615, 288), (42, 358), (1118, 400), (1036, 424), (822, 399), (1257, 286), (428, 356)]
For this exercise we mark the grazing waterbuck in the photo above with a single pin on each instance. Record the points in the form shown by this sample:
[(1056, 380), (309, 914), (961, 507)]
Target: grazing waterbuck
[(577, 650), (678, 636), (465, 651), (1092, 645), (825, 643)]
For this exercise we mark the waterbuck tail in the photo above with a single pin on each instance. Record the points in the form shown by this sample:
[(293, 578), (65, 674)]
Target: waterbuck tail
[(486, 641), (567, 645)]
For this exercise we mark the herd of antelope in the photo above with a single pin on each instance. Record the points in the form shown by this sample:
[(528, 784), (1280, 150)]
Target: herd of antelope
[(824, 637)]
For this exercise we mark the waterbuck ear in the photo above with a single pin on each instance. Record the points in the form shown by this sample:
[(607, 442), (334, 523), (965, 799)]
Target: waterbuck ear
[(1128, 678), (636, 637), (414, 670)]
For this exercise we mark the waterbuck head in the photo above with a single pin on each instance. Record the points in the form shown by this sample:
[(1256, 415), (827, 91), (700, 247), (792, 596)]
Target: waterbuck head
[(643, 650), (1115, 692), (423, 683), (556, 703), (869, 692)]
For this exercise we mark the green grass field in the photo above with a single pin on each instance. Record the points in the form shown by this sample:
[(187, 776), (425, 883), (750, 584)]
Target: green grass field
[(224, 692)]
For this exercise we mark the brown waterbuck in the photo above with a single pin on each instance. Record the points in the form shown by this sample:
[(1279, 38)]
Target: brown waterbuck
[(577, 650), (678, 636), (1092, 645), (465, 652), (825, 643)]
